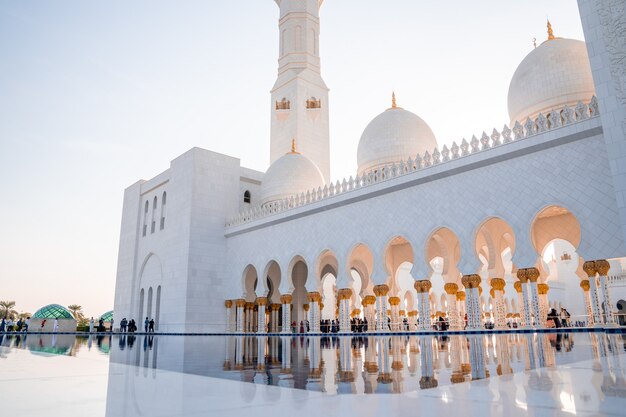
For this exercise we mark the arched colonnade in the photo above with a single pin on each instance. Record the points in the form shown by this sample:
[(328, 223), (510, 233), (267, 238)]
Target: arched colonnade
[(341, 291)]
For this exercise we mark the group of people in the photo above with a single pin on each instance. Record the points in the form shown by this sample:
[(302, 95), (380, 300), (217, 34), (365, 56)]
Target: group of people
[(8, 325), (558, 319)]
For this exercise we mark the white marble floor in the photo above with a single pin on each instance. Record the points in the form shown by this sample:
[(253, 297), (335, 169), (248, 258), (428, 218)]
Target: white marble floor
[(88, 385)]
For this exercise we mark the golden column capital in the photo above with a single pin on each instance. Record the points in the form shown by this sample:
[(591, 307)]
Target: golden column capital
[(474, 280), (394, 301), (412, 313), (492, 292), (521, 275), (344, 293), (542, 289), (228, 303), (590, 268), (480, 290), (451, 288), (250, 305), (465, 280), (240, 302), (426, 285), (261, 301), (518, 286), (532, 274), (584, 284), (381, 290), (305, 307), (498, 284), (603, 266), (460, 295), (314, 296), (418, 286), (286, 298), (402, 313)]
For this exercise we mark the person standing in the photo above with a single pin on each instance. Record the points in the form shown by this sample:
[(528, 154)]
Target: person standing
[(26, 324), (91, 325), (151, 326), (55, 327), (112, 322), (146, 323), (3, 324)]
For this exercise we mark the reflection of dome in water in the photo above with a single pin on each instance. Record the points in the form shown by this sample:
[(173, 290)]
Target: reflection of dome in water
[(108, 316), (53, 311)]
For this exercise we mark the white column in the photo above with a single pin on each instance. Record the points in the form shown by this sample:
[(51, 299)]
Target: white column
[(239, 327), (228, 304), (285, 299), (453, 313), (498, 285), (521, 275), (534, 300), (590, 268), (381, 307), (584, 284), (603, 267), (261, 302), (395, 313)]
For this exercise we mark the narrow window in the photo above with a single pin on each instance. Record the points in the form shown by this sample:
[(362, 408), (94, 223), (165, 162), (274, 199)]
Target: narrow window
[(145, 219), (154, 207), (247, 198), (163, 202)]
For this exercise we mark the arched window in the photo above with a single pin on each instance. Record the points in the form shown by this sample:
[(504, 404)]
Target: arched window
[(247, 197), (145, 219), (163, 202), (154, 207)]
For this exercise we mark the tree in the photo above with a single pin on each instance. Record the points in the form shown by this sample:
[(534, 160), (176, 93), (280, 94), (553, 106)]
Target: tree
[(24, 315), (76, 311), (7, 310)]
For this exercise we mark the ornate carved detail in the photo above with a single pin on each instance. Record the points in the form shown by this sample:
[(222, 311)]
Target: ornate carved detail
[(381, 290), (498, 284), (286, 298), (484, 140), (474, 144), (603, 266), (506, 134), (584, 284), (495, 138), (542, 289), (240, 302), (532, 274), (455, 150), (313, 103), (518, 131), (518, 286), (460, 296), (261, 301), (228, 303), (445, 153), (464, 148), (590, 269), (394, 301), (283, 104), (451, 288)]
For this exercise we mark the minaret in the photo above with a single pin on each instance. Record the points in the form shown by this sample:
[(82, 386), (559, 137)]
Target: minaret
[(300, 96)]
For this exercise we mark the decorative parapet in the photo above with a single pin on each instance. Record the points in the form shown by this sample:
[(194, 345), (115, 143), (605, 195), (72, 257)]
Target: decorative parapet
[(543, 123)]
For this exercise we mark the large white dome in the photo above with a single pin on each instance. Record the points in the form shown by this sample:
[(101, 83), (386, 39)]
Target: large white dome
[(393, 136), (555, 74), (290, 175)]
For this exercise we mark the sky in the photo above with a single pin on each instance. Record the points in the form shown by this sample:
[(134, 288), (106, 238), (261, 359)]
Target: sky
[(96, 95)]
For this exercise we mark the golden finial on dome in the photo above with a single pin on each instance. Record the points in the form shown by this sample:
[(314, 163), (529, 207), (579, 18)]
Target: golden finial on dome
[(393, 100), (550, 32), (293, 146)]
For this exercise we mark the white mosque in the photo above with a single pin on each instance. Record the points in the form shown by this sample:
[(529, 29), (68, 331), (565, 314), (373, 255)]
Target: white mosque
[(498, 229)]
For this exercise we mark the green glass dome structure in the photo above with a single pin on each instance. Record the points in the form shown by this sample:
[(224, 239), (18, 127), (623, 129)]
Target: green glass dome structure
[(108, 316), (53, 311)]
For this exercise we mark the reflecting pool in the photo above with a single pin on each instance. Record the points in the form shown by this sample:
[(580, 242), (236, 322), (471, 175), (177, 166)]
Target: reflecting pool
[(182, 375)]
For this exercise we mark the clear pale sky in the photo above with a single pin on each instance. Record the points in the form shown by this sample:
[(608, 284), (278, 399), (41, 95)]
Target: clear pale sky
[(96, 95)]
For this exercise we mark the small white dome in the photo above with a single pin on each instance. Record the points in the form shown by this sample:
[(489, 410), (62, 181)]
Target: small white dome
[(393, 136), (555, 74), (290, 175)]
